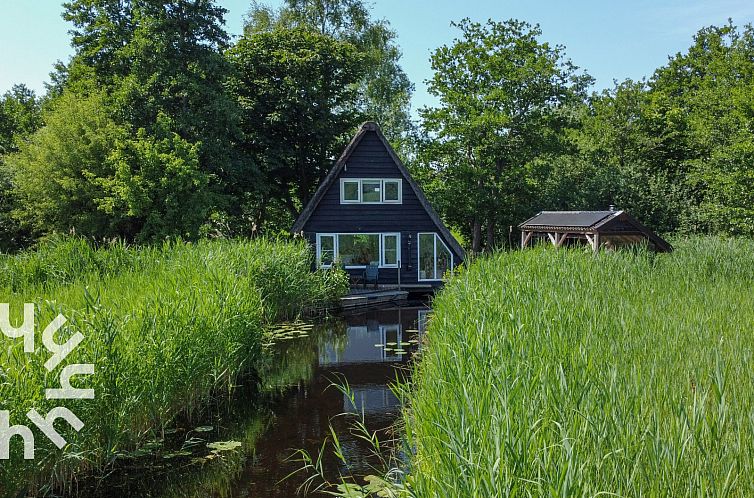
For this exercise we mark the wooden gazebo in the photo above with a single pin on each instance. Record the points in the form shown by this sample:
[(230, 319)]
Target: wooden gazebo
[(599, 229)]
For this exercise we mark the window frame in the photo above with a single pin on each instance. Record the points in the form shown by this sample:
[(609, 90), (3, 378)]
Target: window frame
[(376, 181), (381, 248), (343, 199), (320, 236), (434, 256), (397, 236), (399, 181), (360, 195)]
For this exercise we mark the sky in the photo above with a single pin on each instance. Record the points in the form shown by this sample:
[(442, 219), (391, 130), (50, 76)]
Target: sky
[(611, 40)]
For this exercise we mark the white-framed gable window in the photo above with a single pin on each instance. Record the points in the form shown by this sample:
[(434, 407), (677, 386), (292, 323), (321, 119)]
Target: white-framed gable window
[(392, 191), (371, 191), (350, 191)]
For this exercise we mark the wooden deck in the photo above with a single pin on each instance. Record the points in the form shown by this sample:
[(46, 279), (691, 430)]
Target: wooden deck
[(370, 297)]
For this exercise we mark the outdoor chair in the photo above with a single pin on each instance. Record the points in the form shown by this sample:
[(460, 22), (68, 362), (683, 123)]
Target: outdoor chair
[(371, 274)]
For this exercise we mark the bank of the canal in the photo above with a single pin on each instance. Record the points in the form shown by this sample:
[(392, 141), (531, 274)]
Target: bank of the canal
[(366, 348)]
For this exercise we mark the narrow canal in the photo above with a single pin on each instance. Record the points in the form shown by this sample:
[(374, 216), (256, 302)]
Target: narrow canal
[(294, 410), (367, 350)]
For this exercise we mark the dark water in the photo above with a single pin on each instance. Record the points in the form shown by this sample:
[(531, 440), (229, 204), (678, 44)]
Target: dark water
[(302, 416)]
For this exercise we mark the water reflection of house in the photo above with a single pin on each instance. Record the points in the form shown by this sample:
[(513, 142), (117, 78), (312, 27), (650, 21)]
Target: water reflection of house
[(368, 330)]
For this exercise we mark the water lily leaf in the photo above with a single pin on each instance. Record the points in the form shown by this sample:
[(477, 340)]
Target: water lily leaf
[(349, 490), (220, 446)]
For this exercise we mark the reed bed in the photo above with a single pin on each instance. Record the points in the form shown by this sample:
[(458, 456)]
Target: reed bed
[(168, 329), (561, 373)]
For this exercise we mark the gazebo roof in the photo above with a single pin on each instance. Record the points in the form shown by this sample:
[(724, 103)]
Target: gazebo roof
[(614, 223), (569, 219)]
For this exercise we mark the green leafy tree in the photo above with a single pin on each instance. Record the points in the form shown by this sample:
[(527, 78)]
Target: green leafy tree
[(505, 99), (58, 171), (162, 59), (708, 92), (384, 89), (158, 189), (296, 89), (84, 173), (20, 116)]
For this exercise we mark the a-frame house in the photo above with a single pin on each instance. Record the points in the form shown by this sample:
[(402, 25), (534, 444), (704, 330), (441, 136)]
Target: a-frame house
[(368, 211)]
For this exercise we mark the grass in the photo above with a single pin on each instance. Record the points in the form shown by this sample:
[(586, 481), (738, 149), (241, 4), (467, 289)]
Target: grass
[(561, 373), (168, 328)]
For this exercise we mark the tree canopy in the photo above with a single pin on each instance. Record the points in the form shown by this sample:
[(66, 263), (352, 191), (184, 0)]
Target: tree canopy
[(160, 125)]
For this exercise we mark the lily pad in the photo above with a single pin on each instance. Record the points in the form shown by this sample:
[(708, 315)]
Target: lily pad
[(220, 446)]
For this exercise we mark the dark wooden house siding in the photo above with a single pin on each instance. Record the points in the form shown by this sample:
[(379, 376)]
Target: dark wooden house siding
[(370, 159)]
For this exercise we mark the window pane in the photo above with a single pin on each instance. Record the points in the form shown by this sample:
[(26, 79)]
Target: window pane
[(390, 250), (426, 256), (351, 191), (391, 190), (443, 258), (370, 191), (326, 250), (358, 249)]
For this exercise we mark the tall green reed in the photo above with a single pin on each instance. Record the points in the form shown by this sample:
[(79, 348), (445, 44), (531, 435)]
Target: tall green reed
[(561, 373), (168, 328)]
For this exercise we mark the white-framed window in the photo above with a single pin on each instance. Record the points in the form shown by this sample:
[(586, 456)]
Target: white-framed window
[(325, 250), (371, 190), (350, 191), (390, 249), (358, 250), (433, 255), (392, 191)]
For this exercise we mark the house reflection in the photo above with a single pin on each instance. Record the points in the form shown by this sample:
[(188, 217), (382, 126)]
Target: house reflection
[(368, 333)]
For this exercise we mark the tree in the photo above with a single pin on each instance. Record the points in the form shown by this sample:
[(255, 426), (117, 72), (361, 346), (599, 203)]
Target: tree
[(84, 173), (384, 89), (162, 59), (708, 92), (58, 171), (296, 89), (20, 116), (504, 98)]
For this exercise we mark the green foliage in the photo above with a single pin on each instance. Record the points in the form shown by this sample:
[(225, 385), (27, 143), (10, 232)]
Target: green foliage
[(158, 186), (20, 116), (297, 90), (59, 171), (558, 373), (505, 97), (384, 89), (168, 328), (162, 69)]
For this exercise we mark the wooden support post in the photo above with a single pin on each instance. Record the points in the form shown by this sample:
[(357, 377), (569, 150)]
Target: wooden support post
[(553, 238), (525, 238), (596, 243), (561, 239)]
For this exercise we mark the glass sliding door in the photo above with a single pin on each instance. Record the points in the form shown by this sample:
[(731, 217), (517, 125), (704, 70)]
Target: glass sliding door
[(434, 257)]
